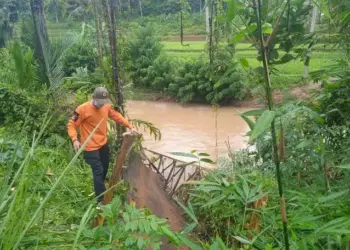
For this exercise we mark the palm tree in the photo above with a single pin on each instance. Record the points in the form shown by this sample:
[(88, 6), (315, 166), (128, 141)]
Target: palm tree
[(8, 16), (41, 37)]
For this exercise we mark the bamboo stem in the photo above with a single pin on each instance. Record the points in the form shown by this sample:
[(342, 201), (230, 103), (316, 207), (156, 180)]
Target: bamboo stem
[(273, 129)]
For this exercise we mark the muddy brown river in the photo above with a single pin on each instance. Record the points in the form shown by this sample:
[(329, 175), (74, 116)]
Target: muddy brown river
[(188, 127)]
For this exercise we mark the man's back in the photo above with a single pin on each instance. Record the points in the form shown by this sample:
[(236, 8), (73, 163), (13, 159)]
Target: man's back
[(87, 117)]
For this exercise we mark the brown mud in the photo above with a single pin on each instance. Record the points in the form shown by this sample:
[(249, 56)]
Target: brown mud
[(146, 190)]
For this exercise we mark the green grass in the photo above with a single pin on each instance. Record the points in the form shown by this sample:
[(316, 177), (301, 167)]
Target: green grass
[(200, 45)]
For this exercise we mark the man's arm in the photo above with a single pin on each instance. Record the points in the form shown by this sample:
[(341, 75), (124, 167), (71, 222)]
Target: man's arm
[(74, 123), (118, 118)]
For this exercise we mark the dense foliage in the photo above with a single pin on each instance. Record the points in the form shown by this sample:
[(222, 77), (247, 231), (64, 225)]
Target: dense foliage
[(82, 54), (218, 83), (144, 50)]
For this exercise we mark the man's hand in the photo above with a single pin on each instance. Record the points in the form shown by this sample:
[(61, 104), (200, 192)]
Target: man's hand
[(76, 145), (133, 130)]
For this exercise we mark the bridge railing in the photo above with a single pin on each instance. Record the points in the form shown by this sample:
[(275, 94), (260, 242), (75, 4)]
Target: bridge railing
[(174, 172)]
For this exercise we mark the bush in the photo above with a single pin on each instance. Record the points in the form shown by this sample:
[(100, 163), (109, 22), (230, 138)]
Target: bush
[(335, 101), (244, 208), (144, 49), (162, 72), (196, 83), (14, 109), (82, 54), (20, 112)]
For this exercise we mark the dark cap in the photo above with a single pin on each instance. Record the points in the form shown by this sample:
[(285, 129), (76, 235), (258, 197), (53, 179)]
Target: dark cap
[(101, 96)]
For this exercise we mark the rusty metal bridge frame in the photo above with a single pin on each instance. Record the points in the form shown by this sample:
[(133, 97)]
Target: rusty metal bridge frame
[(173, 172)]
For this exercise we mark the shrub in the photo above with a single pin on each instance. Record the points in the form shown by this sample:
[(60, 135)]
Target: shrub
[(198, 82), (144, 49), (161, 73), (82, 54), (243, 209), (15, 107)]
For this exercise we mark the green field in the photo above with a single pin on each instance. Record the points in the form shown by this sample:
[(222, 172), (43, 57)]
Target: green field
[(289, 74)]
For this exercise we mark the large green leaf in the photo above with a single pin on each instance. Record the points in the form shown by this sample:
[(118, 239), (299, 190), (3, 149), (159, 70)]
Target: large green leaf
[(237, 38), (184, 154), (324, 7), (244, 62), (249, 121), (214, 201), (242, 240), (255, 112), (206, 183), (245, 32), (335, 224), (189, 211), (204, 154), (207, 160), (304, 144), (333, 196), (189, 243), (231, 9), (262, 124), (189, 228), (344, 166), (267, 28)]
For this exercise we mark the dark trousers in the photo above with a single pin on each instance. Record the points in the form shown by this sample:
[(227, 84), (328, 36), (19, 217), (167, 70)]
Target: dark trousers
[(98, 160)]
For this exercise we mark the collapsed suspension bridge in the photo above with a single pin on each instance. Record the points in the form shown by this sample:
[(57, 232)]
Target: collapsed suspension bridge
[(155, 180)]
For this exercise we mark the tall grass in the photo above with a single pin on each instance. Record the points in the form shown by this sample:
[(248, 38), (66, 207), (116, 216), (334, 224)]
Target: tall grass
[(19, 204)]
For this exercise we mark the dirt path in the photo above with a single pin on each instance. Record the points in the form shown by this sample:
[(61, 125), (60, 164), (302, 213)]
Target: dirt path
[(149, 193)]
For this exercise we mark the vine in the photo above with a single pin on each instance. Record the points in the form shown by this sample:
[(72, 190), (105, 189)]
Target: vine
[(184, 4)]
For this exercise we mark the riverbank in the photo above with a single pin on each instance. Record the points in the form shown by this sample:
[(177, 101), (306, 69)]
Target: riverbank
[(302, 92)]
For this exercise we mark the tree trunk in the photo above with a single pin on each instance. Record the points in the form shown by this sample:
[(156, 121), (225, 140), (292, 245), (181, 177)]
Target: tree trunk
[(140, 6), (41, 37), (110, 20), (4, 34), (98, 30), (308, 54), (107, 20), (207, 27), (130, 9), (115, 72), (56, 11)]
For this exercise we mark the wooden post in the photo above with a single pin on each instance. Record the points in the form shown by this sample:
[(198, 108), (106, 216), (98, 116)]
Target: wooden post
[(128, 140)]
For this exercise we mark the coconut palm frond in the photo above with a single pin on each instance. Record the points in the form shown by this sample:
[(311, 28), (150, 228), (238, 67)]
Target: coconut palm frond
[(152, 129), (25, 69), (53, 54)]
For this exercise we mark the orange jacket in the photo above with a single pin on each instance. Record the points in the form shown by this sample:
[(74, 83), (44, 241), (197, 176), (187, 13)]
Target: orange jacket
[(87, 117)]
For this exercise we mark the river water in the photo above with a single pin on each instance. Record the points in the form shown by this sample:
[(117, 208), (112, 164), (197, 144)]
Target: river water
[(188, 127)]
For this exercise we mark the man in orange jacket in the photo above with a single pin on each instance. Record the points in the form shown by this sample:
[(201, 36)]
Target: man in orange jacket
[(96, 152)]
